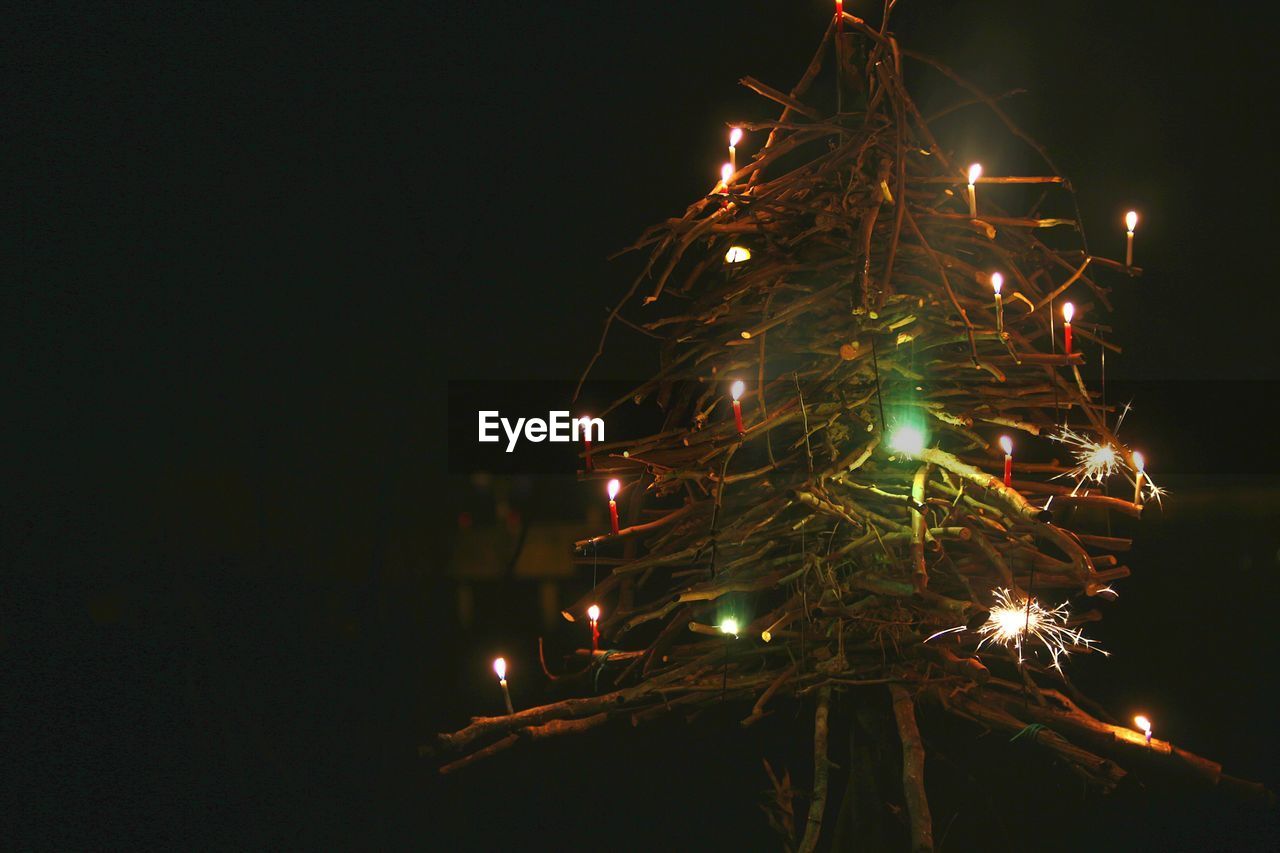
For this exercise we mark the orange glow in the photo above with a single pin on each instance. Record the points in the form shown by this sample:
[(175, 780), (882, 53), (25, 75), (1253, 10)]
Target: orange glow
[(614, 488), (593, 613), (1006, 444), (735, 136), (726, 172), (736, 389), (997, 282), (500, 667), (975, 172), (1131, 220), (1142, 723), (1068, 311)]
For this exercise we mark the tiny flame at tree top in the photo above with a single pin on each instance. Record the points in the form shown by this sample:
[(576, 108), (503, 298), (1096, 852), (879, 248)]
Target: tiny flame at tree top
[(1131, 220), (614, 487)]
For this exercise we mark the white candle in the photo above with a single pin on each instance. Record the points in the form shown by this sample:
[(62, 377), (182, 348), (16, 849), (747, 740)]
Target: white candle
[(975, 172), (1139, 466), (1130, 223), (735, 136), (500, 667)]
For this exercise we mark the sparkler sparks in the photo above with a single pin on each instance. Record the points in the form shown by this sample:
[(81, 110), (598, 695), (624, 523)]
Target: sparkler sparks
[(1011, 623), (1095, 462)]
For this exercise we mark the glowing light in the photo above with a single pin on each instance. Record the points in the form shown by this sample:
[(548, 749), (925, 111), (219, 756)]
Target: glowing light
[(593, 613), (729, 626), (736, 389), (997, 282), (1014, 623), (1006, 444), (1068, 311), (735, 136), (1139, 463), (1143, 724), (737, 254), (726, 172), (500, 667), (614, 488), (1131, 220), (907, 439), (975, 172)]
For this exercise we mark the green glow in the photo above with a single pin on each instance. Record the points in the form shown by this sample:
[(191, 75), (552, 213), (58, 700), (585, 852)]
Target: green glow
[(729, 626), (907, 438)]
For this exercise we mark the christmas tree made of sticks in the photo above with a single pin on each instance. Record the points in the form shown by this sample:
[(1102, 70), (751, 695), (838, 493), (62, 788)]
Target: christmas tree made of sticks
[(887, 326)]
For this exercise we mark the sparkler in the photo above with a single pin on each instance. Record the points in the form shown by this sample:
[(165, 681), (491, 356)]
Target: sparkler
[(1013, 623), (1096, 461)]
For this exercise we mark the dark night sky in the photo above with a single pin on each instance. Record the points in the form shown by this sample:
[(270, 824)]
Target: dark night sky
[(248, 248)]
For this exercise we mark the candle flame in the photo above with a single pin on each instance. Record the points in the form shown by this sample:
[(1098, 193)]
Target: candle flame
[(735, 136), (726, 172), (614, 488), (975, 172), (1142, 723), (737, 254), (593, 613), (1068, 311), (500, 667), (997, 281), (736, 389), (1139, 463), (1131, 220), (1006, 444), (729, 626)]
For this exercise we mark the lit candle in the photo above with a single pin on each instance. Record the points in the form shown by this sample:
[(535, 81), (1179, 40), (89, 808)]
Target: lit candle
[(500, 667), (614, 486), (726, 172), (840, 17), (1006, 444), (593, 613), (585, 420), (1144, 725), (1068, 311), (735, 136), (997, 282), (1130, 222), (1140, 466), (735, 391), (975, 172)]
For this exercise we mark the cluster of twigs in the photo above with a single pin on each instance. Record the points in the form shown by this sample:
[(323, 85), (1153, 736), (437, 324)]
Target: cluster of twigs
[(866, 307)]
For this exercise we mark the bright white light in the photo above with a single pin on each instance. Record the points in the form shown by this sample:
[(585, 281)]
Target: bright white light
[(1131, 220), (1068, 311), (500, 667), (614, 488), (737, 254), (907, 439), (1012, 623), (735, 136), (593, 613), (736, 389), (1139, 463), (729, 626), (1006, 444), (997, 281), (975, 172), (1143, 724), (726, 172)]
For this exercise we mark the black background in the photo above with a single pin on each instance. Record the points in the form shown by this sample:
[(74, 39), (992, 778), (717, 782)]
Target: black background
[(250, 246)]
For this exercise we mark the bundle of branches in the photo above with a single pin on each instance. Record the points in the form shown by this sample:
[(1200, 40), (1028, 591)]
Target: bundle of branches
[(857, 531)]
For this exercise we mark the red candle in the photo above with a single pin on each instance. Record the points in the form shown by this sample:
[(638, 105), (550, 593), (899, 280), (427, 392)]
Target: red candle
[(1068, 311), (593, 613), (614, 487), (840, 17), (1006, 444), (736, 392)]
